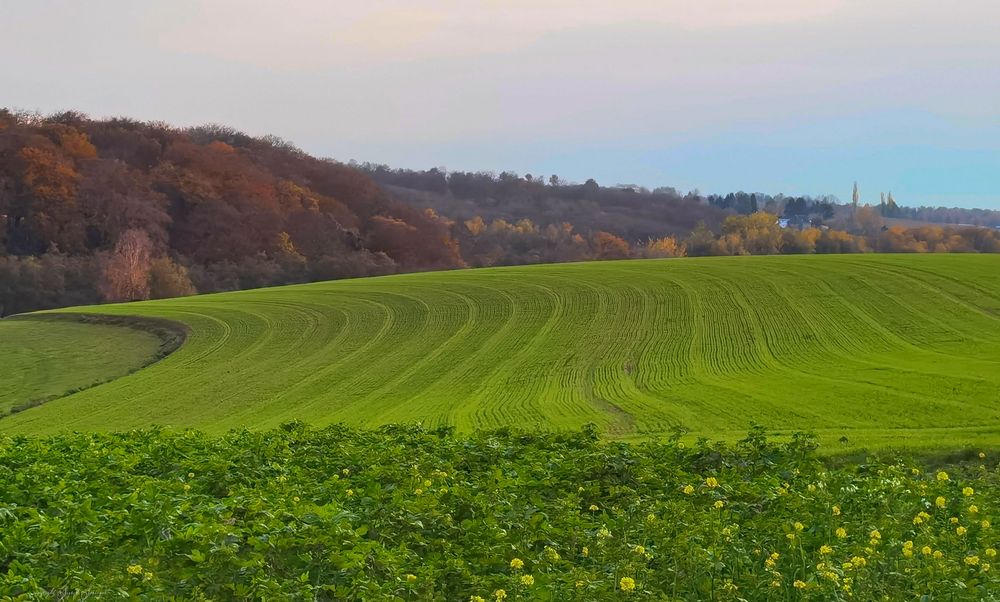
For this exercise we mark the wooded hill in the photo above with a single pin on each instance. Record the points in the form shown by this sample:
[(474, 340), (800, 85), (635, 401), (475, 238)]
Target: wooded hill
[(118, 210), (206, 208)]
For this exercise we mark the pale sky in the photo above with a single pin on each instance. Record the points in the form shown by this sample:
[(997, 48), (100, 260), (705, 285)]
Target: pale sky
[(793, 96)]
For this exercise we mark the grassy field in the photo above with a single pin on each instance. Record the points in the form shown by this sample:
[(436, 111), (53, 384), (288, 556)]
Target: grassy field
[(885, 349), (43, 359)]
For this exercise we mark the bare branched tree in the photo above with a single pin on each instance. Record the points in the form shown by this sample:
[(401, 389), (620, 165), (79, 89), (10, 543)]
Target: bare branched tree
[(126, 272)]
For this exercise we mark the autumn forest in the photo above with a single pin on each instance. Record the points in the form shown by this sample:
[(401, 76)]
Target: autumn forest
[(119, 210)]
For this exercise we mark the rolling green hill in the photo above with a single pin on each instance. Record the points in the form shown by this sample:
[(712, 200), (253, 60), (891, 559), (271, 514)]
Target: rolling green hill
[(877, 348)]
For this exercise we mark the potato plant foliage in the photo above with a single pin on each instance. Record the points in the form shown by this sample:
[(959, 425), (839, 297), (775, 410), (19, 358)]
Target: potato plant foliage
[(406, 513)]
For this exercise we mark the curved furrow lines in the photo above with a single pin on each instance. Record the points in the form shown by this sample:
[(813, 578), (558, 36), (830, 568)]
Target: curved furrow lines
[(836, 344)]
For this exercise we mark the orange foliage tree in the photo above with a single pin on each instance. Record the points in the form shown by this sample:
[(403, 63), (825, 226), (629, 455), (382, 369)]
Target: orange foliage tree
[(126, 271)]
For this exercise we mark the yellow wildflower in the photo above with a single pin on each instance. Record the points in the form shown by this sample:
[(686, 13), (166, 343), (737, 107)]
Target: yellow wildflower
[(836, 510), (942, 476), (551, 554), (516, 564), (859, 561), (418, 492), (500, 595), (639, 550), (688, 489), (914, 471), (973, 509), (968, 491), (527, 580), (985, 567), (938, 554), (971, 560), (586, 551), (926, 550), (961, 530), (982, 456), (810, 487), (477, 599), (940, 502), (985, 524), (295, 499), (187, 487), (799, 584), (990, 553), (134, 569), (719, 504), (594, 508), (841, 532), (626, 584), (711, 482), (603, 533), (953, 520), (799, 526), (411, 578), (875, 534), (825, 549)]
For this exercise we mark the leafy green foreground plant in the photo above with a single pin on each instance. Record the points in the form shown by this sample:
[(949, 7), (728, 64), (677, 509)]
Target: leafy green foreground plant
[(402, 513)]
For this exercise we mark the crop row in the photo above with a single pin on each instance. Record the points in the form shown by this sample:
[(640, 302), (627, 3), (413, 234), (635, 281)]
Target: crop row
[(843, 345), (403, 513)]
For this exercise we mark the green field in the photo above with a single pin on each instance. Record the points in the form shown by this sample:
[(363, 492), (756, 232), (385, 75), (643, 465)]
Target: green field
[(46, 358), (882, 349)]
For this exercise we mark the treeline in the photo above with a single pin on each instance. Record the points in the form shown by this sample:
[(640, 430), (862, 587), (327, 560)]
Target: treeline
[(116, 210), (631, 212), (503, 243), (762, 234), (634, 212)]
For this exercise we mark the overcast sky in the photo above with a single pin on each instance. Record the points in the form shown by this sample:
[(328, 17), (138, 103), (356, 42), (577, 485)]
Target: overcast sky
[(793, 96)]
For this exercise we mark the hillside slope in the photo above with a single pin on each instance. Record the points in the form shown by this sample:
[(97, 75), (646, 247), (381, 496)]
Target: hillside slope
[(877, 348)]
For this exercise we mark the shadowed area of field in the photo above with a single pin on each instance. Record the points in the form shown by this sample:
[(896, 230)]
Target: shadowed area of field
[(43, 359)]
